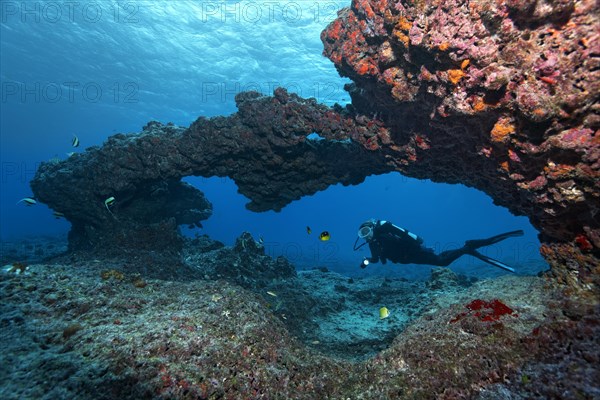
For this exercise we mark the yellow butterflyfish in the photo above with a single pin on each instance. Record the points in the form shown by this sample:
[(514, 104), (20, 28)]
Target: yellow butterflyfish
[(383, 313)]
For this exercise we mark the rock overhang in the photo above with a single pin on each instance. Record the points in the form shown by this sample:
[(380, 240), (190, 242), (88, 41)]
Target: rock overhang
[(455, 92), (499, 96)]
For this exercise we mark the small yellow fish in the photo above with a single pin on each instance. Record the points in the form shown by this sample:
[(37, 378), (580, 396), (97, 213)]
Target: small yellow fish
[(324, 236), (75, 141), (109, 202), (272, 294), (58, 214), (308, 230), (29, 201), (383, 313)]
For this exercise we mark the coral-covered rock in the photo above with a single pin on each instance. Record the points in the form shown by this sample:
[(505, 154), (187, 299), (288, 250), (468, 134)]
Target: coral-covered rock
[(245, 264), (442, 278), (501, 96), (505, 94), (266, 148), (573, 264), (122, 196)]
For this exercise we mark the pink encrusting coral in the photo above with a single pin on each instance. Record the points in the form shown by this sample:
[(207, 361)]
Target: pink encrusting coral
[(506, 92)]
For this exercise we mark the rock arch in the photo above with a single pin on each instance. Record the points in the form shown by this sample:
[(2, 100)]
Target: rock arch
[(451, 91)]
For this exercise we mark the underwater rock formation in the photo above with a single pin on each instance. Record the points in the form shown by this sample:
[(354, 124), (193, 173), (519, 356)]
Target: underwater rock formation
[(276, 149), (245, 264), (149, 201), (442, 278), (501, 96)]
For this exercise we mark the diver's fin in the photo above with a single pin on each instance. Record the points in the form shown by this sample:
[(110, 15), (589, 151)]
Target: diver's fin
[(477, 243), (491, 261)]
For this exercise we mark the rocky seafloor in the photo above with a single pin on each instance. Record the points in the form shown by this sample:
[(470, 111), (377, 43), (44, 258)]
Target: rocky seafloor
[(502, 96), (234, 323)]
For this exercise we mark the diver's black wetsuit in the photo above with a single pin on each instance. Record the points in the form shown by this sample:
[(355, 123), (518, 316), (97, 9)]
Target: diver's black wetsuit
[(400, 246), (390, 242)]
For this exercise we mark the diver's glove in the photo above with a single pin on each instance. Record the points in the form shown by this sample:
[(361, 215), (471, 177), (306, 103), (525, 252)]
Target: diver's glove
[(364, 263)]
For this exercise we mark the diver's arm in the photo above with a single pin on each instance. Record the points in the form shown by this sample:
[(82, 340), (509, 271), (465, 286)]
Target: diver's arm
[(375, 248), (374, 255), (372, 259)]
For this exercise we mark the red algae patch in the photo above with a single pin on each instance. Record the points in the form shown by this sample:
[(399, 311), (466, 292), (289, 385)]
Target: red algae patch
[(486, 311)]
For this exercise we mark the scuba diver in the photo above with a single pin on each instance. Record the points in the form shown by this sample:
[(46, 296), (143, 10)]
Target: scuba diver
[(390, 242)]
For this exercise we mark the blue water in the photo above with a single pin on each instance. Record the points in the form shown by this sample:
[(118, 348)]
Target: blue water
[(95, 68)]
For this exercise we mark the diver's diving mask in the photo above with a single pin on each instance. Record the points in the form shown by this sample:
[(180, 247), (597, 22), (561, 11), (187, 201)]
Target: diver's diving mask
[(365, 232)]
